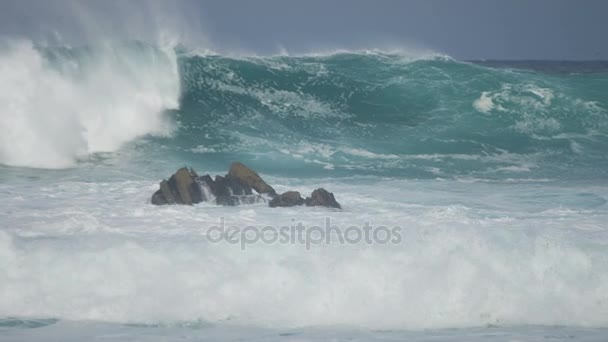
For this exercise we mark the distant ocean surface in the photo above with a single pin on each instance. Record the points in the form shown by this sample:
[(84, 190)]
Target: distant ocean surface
[(496, 172)]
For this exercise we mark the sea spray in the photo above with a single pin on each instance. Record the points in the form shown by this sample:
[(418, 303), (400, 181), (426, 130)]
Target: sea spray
[(470, 255), (59, 104)]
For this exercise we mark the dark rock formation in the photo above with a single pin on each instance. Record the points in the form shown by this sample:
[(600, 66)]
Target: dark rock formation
[(186, 187), (181, 188), (207, 186), (196, 192), (220, 187), (180, 185), (322, 198), (287, 199), (166, 191), (158, 198), (230, 186), (236, 188), (239, 200), (250, 178)]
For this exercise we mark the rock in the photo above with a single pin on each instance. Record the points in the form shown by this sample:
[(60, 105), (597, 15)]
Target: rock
[(196, 192), (207, 186), (167, 193), (182, 182), (205, 178), (322, 198), (158, 198), (239, 200), (236, 188), (181, 188), (287, 199), (230, 186), (220, 187), (250, 178)]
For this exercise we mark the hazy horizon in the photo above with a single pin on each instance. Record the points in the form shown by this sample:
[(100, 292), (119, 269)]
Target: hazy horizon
[(467, 30)]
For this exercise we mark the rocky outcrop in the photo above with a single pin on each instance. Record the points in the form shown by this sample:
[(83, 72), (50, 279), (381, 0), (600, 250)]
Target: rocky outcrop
[(181, 188), (322, 198), (240, 186), (186, 187), (183, 181), (287, 199), (250, 178), (229, 186), (232, 201), (158, 198)]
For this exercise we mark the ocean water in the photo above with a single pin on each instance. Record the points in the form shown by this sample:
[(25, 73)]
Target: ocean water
[(495, 174)]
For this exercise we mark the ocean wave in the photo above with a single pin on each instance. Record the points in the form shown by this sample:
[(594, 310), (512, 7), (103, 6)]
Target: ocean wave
[(374, 111), (274, 107), (60, 104)]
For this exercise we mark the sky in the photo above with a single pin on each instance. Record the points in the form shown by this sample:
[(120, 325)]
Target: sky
[(463, 29)]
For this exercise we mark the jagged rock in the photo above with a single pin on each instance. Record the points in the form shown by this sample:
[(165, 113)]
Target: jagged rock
[(230, 186), (250, 178), (196, 192), (181, 188), (182, 182), (239, 200), (205, 178), (207, 186), (158, 198), (236, 188), (165, 190), (220, 187), (287, 199), (322, 198)]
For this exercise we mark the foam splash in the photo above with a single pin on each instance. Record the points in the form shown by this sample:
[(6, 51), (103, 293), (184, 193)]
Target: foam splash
[(484, 103), (53, 112), (111, 257)]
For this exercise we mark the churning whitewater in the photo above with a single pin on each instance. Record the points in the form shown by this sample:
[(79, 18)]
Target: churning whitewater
[(61, 104), (495, 176)]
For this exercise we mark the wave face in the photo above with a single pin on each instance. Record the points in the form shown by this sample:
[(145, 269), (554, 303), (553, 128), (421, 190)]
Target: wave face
[(60, 104), (366, 113), (380, 114)]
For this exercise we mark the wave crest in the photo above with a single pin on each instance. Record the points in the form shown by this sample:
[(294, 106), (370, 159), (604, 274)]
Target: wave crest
[(57, 105)]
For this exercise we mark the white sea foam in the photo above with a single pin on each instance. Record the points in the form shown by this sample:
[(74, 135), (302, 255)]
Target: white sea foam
[(529, 104), (286, 104), (407, 54), (481, 254), (484, 103), (203, 149), (51, 114)]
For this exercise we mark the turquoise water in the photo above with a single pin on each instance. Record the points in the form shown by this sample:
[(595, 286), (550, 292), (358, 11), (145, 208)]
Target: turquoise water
[(387, 115), (495, 172)]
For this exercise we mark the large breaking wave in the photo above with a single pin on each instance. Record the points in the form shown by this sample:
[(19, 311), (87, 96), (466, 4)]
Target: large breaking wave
[(386, 114), (60, 104), (365, 112)]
